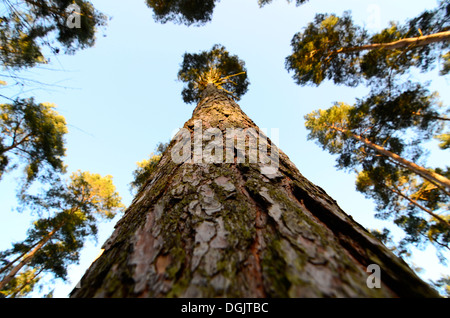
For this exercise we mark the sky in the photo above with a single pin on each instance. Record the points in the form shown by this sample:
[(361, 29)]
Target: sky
[(121, 98)]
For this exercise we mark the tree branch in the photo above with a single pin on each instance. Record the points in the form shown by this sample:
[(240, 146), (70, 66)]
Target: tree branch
[(417, 41)]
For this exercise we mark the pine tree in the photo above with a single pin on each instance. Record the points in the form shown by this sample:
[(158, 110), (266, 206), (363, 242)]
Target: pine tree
[(334, 48), (234, 221), (369, 137), (32, 134), (26, 26), (30, 31), (69, 214), (384, 135), (415, 205)]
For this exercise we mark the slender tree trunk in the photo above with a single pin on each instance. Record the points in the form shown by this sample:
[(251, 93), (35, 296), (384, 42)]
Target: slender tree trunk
[(417, 41), (26, 259), (16, 259), (427, 174), (239, 230), (417, 204)]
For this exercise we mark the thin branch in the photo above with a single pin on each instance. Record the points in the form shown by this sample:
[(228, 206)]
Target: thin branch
[(416, 41), (397, 191)]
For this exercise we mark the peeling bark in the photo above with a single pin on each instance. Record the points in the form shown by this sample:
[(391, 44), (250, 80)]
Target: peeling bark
[(234, 230)]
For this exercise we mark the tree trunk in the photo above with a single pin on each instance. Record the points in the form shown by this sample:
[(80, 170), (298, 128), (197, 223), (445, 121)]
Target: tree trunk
[(431, 176), (239, 230), (27, 258), (400, 44)]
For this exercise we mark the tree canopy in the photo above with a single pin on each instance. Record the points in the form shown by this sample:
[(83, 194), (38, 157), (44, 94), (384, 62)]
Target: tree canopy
[(384, 136), (69, 213), (26, 27), (32, 134), (216, 66), (334, 48), (370, 137), (190, 12), (146, 167)]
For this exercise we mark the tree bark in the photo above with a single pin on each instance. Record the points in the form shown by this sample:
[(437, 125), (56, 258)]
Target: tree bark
[(239, 230)]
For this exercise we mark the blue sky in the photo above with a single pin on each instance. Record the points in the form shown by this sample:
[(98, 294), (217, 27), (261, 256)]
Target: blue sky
[(121, 97)]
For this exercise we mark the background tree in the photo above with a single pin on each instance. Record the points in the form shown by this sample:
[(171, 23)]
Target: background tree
[(384, 136), (334, 48), (297, 2), (23, 284), (146, 167), (235, 229), (190, 12), (69, 214), (29, 31), (32, 134), (416, 206), (342, 130), (370, 137)]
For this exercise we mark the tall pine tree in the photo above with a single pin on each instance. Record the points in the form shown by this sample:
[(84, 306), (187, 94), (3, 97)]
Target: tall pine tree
[(234, 221)]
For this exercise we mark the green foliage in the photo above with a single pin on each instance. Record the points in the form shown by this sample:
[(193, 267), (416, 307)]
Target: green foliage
[(445, 64), (397, 117), (313, 60), (381, 118), (26, 26), (23, 284), (69, 214), (190, 12), (33, 134), (384, 236), (297, 2), (334, 48), (416, 205), (146, 167), (444, 141), (215, 66)]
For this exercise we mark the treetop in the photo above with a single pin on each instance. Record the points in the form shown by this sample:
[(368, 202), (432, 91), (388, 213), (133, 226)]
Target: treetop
[(218, 67)]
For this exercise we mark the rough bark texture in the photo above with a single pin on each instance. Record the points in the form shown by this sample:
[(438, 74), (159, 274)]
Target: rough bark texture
[(229, 230)]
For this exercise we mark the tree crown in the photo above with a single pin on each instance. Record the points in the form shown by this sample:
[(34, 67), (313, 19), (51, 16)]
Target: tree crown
[(334, 48), (216, 66), (190, 12), (26, 25), (34, 134)]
